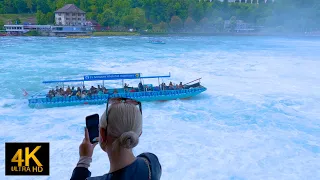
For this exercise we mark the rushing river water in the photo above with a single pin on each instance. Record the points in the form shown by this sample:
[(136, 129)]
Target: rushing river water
[(259, 118)]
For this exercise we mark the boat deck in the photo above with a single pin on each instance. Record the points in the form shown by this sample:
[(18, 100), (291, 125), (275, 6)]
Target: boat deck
[(41, 101)]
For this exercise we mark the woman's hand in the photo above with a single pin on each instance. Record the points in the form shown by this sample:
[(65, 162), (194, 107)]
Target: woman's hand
[(86, 148)]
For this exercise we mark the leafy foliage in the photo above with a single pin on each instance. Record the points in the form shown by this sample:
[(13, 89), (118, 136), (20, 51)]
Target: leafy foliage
[(287, 15)]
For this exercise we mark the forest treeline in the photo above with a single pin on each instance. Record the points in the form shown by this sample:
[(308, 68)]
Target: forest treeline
[(282, 15)]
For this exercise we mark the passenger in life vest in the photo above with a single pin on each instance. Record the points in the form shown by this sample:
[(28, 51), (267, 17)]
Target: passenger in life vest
[(170, 85), (78, 94), (126, 86), (84, 94), (105, 91), (140, 86)]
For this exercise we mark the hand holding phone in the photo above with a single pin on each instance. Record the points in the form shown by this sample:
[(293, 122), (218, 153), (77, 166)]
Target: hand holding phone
[(92, 124)]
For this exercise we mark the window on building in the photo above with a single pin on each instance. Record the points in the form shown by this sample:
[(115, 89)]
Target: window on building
[(67, 14)]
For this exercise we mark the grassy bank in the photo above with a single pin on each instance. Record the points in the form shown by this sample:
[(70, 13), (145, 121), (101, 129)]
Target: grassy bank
[(23, 17), (108, 33)]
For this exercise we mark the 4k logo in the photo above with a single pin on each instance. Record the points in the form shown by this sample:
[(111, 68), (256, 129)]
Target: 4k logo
[(27, 158)]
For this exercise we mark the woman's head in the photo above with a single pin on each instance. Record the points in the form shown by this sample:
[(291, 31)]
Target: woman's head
[(124, 127)]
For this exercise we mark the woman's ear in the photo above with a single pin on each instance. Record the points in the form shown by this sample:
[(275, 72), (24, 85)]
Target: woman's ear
[(102, 132)]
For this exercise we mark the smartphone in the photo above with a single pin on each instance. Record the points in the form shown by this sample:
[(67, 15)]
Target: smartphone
[(92, 123)]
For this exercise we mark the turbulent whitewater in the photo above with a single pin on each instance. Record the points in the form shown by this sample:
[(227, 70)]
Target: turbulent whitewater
[(258, 119)]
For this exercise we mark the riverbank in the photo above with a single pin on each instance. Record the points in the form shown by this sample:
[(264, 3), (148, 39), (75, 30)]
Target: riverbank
[(115, 33), (109, 33), (228, 34)]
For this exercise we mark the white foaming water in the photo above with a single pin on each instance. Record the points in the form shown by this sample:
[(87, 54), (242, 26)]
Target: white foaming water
[(259, 118)]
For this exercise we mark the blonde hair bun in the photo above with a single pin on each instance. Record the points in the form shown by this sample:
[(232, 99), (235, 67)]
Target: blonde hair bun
[(128, 140)]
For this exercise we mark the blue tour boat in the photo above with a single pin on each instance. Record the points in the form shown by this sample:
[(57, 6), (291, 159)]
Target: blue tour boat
[(156, 41), (144, 92)]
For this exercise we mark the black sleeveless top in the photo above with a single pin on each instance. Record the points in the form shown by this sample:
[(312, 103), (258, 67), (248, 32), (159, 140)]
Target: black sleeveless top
[(138, 170)]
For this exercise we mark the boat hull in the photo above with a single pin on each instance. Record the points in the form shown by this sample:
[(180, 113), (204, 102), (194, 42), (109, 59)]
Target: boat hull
[(43, 102)]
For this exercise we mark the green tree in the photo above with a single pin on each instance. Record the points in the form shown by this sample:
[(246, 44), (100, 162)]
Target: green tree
[(139, 18), (106, 18), (127, 21), (29, 5), (219, 24), (149, 26), (190, 24), (163, 25), (8, 7), (204, 22), (16, 21), (176, 23), (20, 6), (41, 18), (233, 23), (1, 24), (50, 18), (1, 8)]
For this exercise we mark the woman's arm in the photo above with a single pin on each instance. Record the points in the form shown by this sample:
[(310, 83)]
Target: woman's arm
[(81, 172)]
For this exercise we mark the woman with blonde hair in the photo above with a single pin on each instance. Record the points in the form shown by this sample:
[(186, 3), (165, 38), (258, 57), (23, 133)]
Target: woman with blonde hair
[(120, 129)]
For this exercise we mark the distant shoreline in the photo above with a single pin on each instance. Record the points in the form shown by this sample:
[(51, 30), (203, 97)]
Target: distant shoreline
[(108, 33), (117, 33), (232, 34)]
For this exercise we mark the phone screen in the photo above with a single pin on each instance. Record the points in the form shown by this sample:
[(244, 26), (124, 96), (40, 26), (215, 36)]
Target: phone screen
[(92, 123)]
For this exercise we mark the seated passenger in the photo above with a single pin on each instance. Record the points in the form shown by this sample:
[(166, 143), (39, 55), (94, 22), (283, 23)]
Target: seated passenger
[(73, 93), (90, 93), (105, 91), (180, 85), (83, 95), (140, 86), (115, 91), (170, 86), (50, 95), (78, 94), (68, 91), (53, 92), (126, 86), (164, 86), (61, 92)]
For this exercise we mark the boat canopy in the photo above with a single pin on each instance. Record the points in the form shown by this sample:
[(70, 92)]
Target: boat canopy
[(107, 77), (63, 81)]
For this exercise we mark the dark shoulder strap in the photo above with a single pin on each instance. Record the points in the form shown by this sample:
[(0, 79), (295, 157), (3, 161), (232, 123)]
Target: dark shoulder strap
[(154, 164), (147, 162)]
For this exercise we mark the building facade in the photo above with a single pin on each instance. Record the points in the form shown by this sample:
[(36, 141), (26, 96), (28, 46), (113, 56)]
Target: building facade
[(70, 15), (48, 30)]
